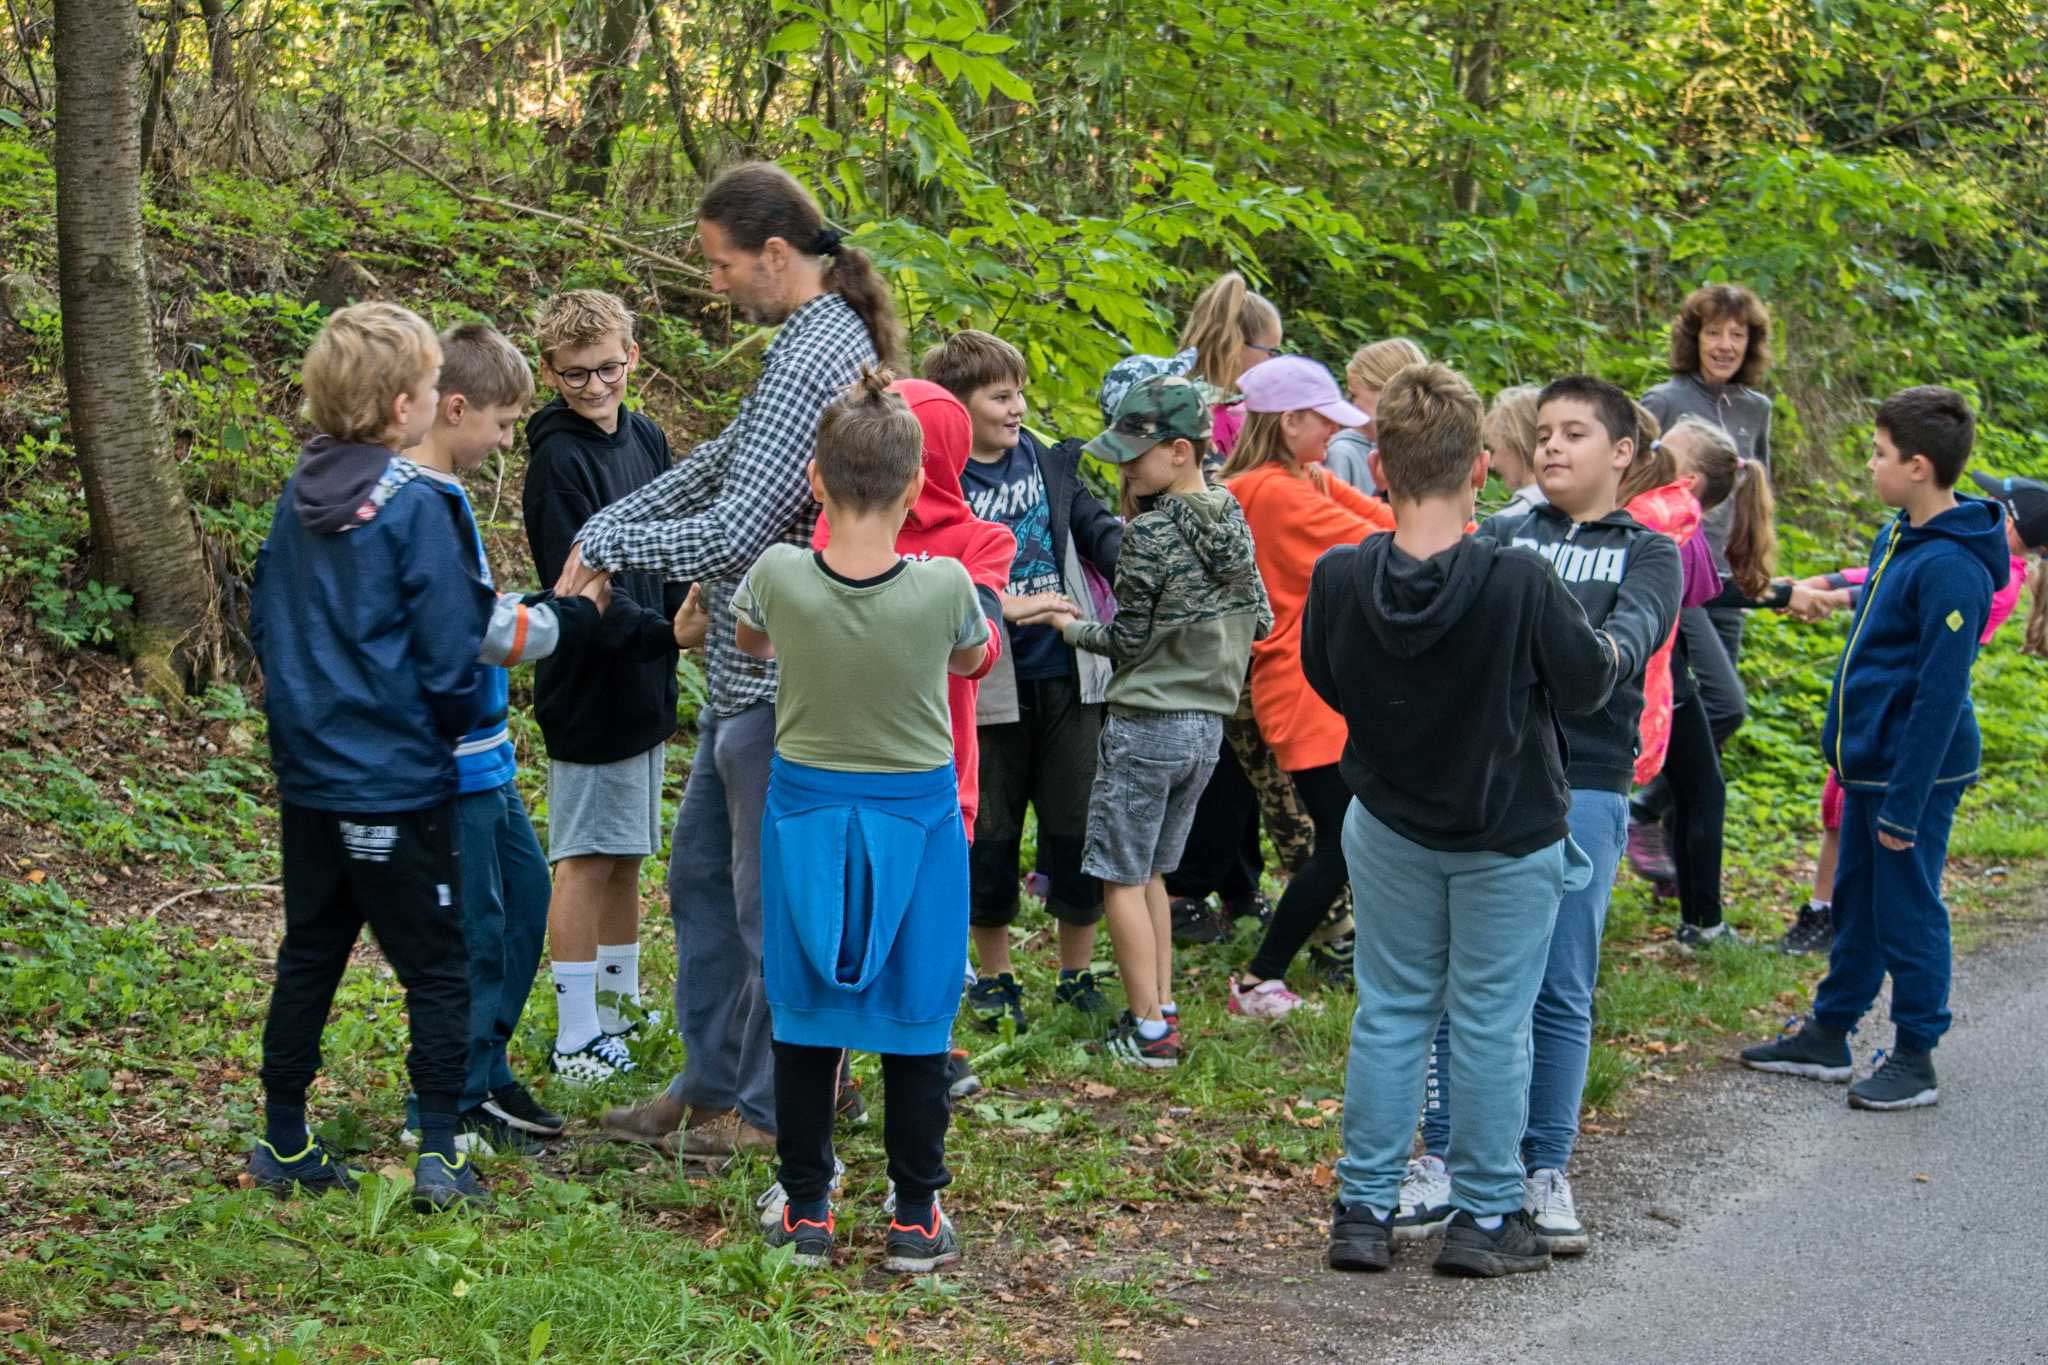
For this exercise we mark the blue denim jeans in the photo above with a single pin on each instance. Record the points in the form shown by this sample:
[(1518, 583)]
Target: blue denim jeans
[(1457, 934), (714, 891), (505, 890), (1562, 1022)]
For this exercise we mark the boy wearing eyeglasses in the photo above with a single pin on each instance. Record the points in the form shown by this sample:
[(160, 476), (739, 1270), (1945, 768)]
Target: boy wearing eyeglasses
[(605, 713)]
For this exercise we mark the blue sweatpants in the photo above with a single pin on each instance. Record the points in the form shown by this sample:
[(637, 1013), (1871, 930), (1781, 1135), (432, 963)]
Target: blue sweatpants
[(1889, 918)]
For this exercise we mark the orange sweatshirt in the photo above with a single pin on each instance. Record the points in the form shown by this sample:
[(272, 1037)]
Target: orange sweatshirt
[(1293, 520)]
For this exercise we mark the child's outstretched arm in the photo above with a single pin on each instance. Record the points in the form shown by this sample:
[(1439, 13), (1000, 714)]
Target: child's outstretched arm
[(1953, 602), (527, 629), (1140, 578)]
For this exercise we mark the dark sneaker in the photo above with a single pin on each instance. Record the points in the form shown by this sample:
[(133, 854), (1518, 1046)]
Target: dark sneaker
[(918, 1250), (489, 1135), (849, 1110), (812, 1241), (1903, 1080), (992, 997), (1811, 1051), (1080, 992), (1333, 965), (514, 1106), (1254, 906), (1358, 1240), (960, 1078), (1722, 935), (315, 1170), (1425, 1200), (1649, 852), (1509, 1249), (439, 1183), (1125, 1044), (1194, 923), (1812, 932)]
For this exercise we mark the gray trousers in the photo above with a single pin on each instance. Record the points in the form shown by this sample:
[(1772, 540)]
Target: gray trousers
[(714, 895)]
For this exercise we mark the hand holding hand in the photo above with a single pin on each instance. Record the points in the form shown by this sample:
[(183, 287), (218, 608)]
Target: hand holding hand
[(575, 573), (1031, 609), (693, 621), (598, 589), (1056, 616)]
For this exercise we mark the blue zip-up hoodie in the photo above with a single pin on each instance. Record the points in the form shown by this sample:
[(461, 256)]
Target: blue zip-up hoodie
[(1899, 719), (368, 615)]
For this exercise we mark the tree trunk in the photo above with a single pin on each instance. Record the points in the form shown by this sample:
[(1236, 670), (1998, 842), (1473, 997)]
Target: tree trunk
[(604, 106), (156, 107), (220, 43), (143, 533), (678, 92), (1479, 95)]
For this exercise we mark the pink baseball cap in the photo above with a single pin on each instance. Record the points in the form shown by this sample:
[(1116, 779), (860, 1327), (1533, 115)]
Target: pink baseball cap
[(1288, 383)]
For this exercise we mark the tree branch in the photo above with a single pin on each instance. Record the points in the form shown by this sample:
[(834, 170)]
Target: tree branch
[(1935, 111)]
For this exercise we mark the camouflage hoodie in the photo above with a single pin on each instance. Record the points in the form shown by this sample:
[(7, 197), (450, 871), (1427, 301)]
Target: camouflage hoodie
[(1189, 603)]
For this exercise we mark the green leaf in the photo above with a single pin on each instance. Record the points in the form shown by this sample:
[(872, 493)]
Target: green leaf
[(795, 37)]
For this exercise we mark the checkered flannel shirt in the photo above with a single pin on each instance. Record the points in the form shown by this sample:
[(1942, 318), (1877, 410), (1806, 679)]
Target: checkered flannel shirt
[(708, 519)]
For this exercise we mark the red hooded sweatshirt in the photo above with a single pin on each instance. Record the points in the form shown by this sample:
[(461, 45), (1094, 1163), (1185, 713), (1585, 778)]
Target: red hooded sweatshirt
[(942, 526)]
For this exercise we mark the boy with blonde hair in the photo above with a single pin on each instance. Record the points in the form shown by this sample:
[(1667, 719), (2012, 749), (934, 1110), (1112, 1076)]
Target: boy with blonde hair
[(1447, 653), (368, 615), (605, 714)]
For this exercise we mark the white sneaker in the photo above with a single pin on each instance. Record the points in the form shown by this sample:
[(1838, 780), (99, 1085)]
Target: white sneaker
[(1547, 1198), (1425, 1200), (768, 1206), (1268, 1000), (597, 1061)]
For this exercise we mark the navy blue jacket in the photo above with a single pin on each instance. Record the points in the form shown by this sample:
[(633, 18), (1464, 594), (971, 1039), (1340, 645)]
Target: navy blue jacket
[(368, 614), (1899, 718)]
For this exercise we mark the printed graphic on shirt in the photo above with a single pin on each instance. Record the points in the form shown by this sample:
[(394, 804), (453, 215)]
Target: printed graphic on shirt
[(1578, 563), (1012, 491)]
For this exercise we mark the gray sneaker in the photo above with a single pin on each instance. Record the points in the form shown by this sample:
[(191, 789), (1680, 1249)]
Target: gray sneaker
[(1903, 1080)]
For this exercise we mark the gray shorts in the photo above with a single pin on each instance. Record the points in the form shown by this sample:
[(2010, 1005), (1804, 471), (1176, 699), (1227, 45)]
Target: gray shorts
[(612, 809), (1149, 775)]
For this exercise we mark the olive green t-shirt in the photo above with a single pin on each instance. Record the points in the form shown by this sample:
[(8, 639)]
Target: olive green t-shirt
[(862, 663)]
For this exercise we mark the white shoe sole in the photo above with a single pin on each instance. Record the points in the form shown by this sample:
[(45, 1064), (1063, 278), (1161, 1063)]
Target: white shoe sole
[(521, 1125), (475, 1144), (1416, 1232), (919, 1265), (1564, 1243), (1923, 1100), (1812, 1071)]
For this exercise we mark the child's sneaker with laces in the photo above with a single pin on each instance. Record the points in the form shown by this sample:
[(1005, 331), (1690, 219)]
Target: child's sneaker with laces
[(316, 1170), (1359, 1239), (1812, 932), (1903, 1080), (1547, 1199), (992, 997), (916, 1249), (769, 1204), (1722, 935), (1808, 1050), (1127, 1044), (811, 1239), (515, 1107), (1080, 991), (440, 1183), (1267, 1000), (1512, 1247), (1425, 1200), (596, 1062)]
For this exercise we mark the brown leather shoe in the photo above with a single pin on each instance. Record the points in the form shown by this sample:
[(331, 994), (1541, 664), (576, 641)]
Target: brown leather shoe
[(718, 1138), (647, 1122)]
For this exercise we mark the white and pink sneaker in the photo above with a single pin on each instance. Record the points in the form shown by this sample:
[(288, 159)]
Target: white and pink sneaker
[(1268, 1000)]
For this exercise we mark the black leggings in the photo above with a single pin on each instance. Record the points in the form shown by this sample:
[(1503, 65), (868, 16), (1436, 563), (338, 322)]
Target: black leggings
[(1699, 802), (1223, 853), (915, 1112), (1315, 888)]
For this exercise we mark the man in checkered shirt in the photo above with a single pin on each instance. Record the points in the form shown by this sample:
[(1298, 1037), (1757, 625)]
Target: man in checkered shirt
[(708, 519)]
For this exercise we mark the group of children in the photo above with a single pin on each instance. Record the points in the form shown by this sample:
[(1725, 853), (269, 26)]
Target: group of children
[(1456, 714)]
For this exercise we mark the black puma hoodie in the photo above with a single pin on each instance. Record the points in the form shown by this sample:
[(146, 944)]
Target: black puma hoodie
[(1448, 672)]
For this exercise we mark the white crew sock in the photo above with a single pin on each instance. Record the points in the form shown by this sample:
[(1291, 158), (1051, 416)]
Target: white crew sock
[(575, 1005), (618, 970), (1489, 1221), (1152, 1030)]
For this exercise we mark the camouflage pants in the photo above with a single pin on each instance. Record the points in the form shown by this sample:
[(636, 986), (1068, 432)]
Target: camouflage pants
[(1280, 810)]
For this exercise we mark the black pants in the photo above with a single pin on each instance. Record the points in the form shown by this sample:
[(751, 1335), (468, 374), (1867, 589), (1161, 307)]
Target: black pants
[(1223, 853), (1315, 888), (915, 1112), (1043, 760), (1711, 641), (398, 874), (1699, 804)]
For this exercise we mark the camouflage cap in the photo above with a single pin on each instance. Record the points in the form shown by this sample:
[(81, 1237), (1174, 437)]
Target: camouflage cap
[(1160, 408)]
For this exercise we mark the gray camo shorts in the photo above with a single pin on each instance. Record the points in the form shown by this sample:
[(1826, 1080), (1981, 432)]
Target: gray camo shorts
[(1151, 769)]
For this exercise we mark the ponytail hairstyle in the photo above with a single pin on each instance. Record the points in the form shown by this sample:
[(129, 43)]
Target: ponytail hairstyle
[(870, 445), (758, 200), (2036, 642), (1225, 317), (1652, 465), (1724, 474)]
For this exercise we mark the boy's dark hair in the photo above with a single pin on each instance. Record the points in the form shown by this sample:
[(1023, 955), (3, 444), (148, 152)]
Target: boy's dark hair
[(1428, 423), (758, 200), (1713, 303), (1933, 421), (481, 365), (870, 445), (970, 360), (1613, 409)]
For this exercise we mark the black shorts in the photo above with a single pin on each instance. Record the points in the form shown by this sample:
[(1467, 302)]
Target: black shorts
[(1044, 761)]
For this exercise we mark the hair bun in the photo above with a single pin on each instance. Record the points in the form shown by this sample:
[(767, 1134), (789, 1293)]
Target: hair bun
[(826, 243)]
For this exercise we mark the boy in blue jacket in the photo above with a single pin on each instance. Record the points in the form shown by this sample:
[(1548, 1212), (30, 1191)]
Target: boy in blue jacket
[(368, 616), (1901, 736)]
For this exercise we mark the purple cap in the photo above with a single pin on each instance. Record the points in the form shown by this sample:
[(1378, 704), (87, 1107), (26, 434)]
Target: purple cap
[(1288, 383)]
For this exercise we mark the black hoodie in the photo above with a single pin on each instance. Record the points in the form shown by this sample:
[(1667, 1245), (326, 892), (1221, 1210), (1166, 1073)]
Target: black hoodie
[(1448, 672), (618, 699), (1626, 578)]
